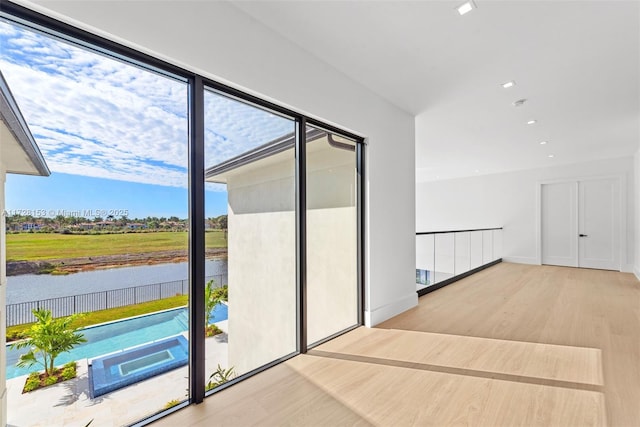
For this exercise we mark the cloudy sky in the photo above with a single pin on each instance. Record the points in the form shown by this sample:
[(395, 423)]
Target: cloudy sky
[(116, 131)]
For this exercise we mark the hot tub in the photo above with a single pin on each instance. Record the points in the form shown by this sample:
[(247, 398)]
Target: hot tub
[(115, 371)]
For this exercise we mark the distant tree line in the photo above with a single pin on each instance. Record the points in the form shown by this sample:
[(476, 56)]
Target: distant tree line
[(219, 222), (70, 224)]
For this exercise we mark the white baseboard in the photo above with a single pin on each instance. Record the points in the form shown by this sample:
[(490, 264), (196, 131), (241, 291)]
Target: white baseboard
[(521, 260), (533, 261), (627, 268), (387, 311)]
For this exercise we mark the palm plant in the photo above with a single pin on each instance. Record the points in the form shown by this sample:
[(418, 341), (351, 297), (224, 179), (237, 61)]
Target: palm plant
[(47, 339), (212, 297), (220, 376)]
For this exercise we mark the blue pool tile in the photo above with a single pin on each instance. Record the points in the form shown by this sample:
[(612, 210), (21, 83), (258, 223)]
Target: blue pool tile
[(106, 373)]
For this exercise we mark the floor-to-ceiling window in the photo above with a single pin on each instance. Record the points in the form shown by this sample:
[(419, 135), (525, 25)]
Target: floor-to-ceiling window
[(332, 244), (250, 197), (101, 244), (258, 211)]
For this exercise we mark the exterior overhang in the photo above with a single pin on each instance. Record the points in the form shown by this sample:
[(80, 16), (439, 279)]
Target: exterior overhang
[(19, 152), (269, 153)]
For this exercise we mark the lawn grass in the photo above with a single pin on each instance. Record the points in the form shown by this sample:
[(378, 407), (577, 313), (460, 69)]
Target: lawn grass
[(46, 246), (96, 317)]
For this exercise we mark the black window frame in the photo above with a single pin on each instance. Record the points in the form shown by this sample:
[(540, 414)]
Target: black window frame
[(197, 84)]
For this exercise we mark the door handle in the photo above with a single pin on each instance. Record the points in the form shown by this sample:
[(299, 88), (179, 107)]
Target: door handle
[(584, 235)]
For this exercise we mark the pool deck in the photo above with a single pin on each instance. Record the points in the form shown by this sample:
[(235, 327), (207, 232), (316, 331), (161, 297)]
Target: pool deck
[(68, 403)]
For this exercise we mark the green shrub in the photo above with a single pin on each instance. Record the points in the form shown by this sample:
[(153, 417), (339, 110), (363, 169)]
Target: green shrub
[(51, 380), (37, 380), (69, 371), (171, 403), (15, 335), (32, 383), (212, 330)]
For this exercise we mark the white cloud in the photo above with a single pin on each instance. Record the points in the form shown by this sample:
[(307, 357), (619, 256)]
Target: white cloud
[(96, 116)]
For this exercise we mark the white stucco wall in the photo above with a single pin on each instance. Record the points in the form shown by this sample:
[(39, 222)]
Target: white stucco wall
[(262, 265), (222, 42), (261, 257), (510, 200), (332, 255)]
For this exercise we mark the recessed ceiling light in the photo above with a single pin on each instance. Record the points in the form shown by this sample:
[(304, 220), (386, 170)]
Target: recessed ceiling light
[(519, 102), (532, 122), (508, 84), (465, 8), (543, 142), (476, 171), (551, 156)]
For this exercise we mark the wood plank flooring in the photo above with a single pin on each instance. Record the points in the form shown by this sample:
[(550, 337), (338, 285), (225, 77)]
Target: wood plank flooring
[(562, 366), (552, 305), (511, 345)]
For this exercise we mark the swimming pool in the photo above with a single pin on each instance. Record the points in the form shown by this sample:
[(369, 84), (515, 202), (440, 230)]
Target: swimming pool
[(110, 337)]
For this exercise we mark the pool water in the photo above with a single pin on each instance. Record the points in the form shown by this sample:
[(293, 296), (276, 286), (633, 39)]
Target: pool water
[(145, 362), (124, 368), (119, 335)]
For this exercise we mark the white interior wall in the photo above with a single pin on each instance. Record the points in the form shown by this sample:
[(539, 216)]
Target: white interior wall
[(219, 41), (509, 200), (636, 268)]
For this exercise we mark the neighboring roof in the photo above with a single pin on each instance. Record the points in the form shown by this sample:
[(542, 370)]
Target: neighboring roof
[(20, 153), (276, 146), (269, 149)]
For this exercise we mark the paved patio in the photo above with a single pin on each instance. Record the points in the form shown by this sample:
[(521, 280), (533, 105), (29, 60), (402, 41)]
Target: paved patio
[(68, 403)]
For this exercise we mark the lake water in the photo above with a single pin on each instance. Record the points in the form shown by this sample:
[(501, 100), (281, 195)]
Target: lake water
[(31, 287)]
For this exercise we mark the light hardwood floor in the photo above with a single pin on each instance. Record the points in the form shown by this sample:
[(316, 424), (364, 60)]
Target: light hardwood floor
[(511, 345)]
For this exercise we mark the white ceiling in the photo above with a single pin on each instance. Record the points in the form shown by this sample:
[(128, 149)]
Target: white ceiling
[(577, 63)]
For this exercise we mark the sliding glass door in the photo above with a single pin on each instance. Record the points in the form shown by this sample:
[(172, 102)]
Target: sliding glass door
[(250, 204), (240, 218), (332, 235)]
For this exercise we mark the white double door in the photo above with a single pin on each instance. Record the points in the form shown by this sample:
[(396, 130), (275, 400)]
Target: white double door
[(581, 223)]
